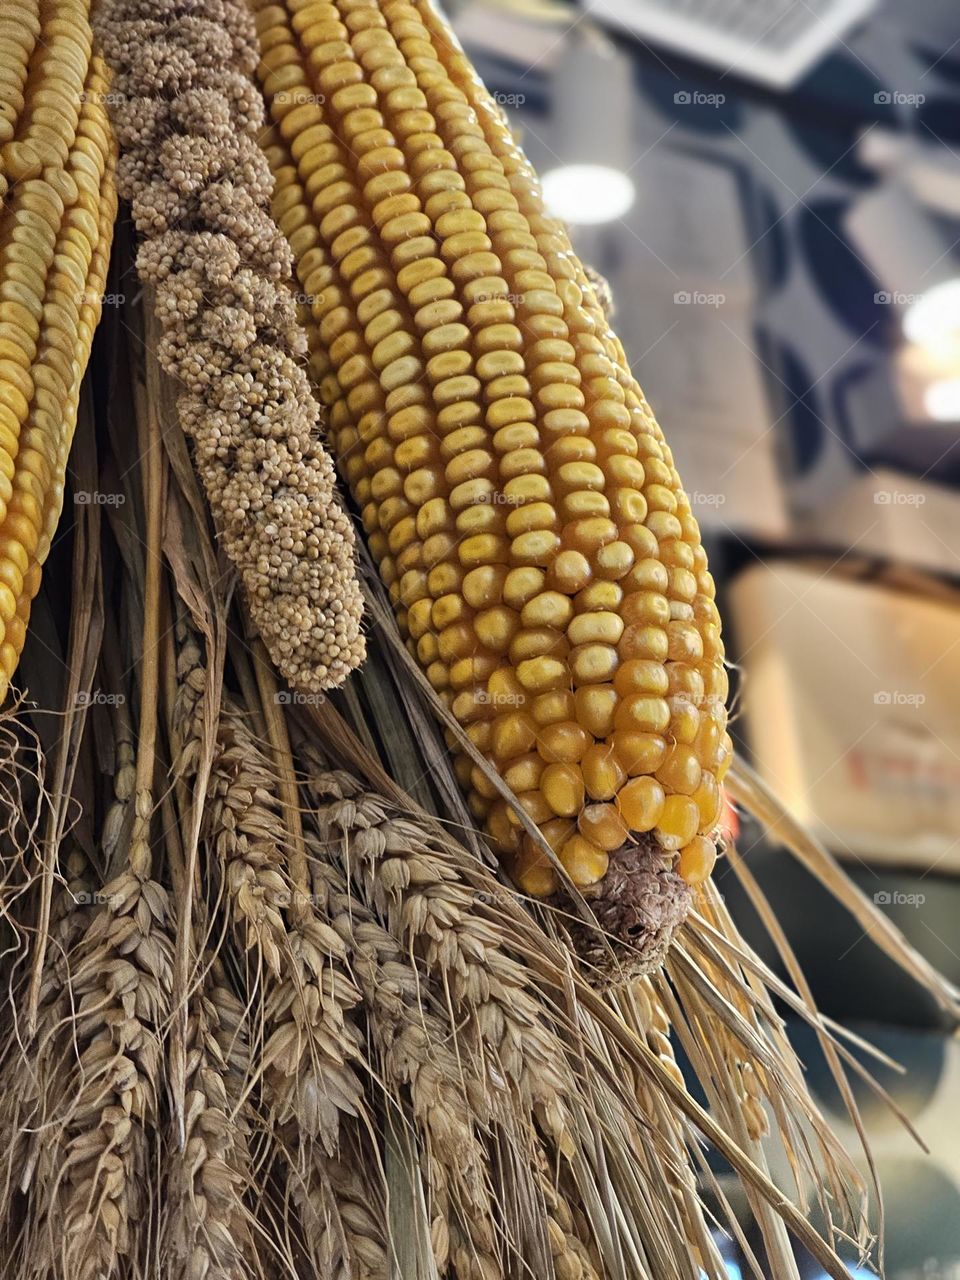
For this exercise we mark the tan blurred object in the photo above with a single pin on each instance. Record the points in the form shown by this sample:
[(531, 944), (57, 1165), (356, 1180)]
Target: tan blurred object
[(895, 517), (851, 707)]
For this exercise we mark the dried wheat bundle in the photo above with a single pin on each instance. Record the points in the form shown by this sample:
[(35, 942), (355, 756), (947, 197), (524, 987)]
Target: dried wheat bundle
[(270, 1013)]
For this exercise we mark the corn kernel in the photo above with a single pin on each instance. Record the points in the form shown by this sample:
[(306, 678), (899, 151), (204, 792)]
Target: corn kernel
[(640, 675), (523, 773), (549, 708), (513, 735), (540, 675), (603, 826), (641, 803), (595, 628), (707, 797), (678, 822), (563, 743), (534, 806), (680, 770), (592, 664), (563, 788), (585, 863), (603, 774), (697, 860), (639, 752), (595, 707), (643, 713)]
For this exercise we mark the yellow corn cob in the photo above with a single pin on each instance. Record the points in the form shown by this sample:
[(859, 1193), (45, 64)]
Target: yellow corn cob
[(56, 224), (518, 495)]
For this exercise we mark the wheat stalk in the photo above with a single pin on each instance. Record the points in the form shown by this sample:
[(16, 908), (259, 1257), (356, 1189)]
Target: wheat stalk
[(341, 1214), (89, 1211), (419, 1056), (410, 877), (208, 1232), (313, 1044), (512, 1064)]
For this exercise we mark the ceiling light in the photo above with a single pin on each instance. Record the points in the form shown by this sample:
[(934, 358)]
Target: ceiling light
[(585, 194), (942, 400), (592, 108), (912, 261), (934, 317)]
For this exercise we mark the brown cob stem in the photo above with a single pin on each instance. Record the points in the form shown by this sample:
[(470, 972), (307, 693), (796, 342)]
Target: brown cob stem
[(640, 904)]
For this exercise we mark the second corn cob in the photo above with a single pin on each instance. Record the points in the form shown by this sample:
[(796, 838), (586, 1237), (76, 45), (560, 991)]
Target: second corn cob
[(518, 495), (56, 225)]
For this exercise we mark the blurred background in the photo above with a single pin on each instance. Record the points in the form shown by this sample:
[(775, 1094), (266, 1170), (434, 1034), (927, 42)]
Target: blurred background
[(772, 189)]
